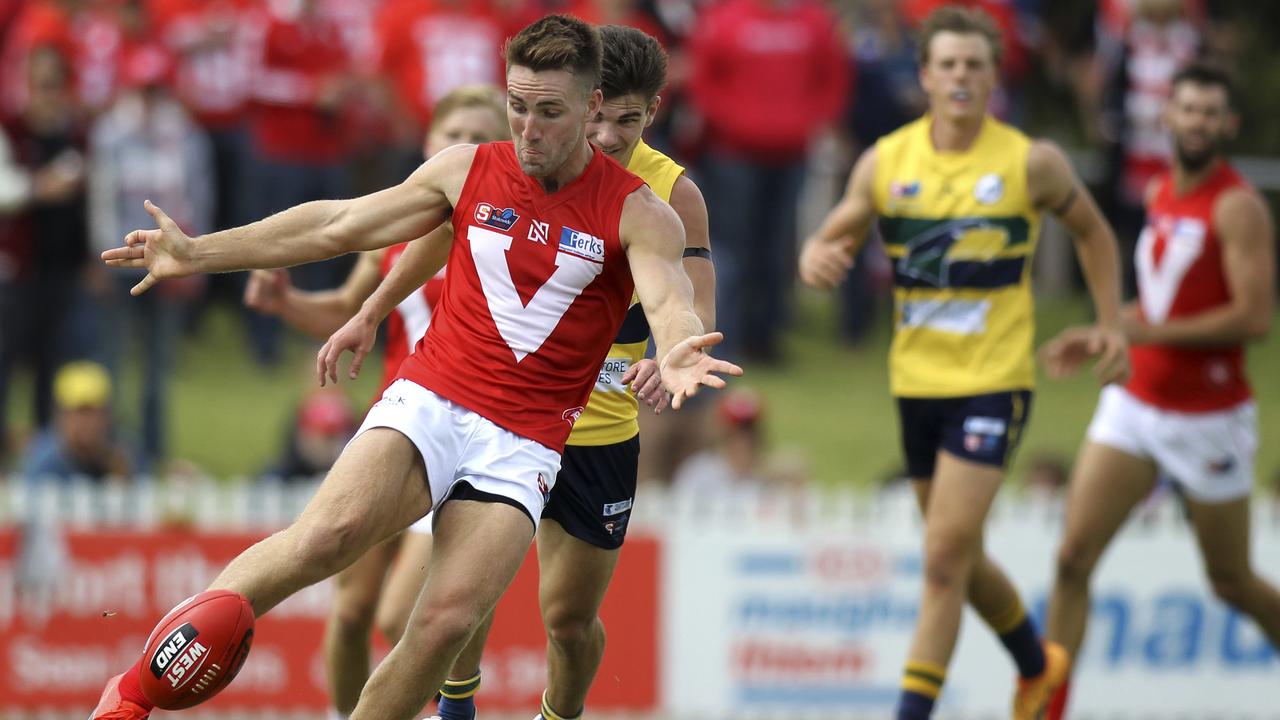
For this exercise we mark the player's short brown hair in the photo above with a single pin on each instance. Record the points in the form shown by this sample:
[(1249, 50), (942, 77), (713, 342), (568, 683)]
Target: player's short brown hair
[(962, 21), (472, 96), (558, 42), (634, 62)]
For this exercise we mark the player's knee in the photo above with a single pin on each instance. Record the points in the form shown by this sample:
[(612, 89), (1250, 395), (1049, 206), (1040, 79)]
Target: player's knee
[(1075, 563), (391, 619), (948, 562), (327, 546), (566, 627), (446, 626), (353, 612)]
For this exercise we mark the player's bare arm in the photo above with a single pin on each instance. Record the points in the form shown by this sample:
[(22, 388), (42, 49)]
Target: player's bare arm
[(828, 254), (1247, 233), (691, 208), (316, 312), (1054, 187), (305, 233), (654, 241), (419, 262), (687, 201)]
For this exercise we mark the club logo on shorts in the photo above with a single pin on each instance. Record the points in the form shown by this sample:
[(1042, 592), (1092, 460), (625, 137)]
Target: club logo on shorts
[(502, 219), (1222, 465), (614, 527), (572, 414), (544, 488)]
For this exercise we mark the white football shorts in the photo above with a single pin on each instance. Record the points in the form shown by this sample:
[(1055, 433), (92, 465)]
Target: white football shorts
[(458, 445), (1210, 455)]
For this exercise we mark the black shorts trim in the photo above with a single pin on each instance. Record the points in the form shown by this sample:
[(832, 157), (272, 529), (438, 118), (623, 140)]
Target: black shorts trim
[(464, 490), (594, 492)]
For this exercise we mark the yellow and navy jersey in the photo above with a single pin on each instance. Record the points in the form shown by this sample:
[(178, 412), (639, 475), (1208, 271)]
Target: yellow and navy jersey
[(960, 230), (611, 412)]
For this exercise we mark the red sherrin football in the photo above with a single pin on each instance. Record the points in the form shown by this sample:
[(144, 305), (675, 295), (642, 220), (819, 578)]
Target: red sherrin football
[(197, 649)]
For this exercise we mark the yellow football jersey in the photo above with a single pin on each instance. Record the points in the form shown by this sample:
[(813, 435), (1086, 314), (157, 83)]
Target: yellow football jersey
[(960, 230), (611, 412)]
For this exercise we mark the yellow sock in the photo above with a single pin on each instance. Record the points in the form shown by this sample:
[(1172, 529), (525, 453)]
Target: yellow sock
[(549, 714), (461, 689), (923, 678)]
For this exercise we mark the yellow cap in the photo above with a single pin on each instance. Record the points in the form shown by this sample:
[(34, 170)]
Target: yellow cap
[(82, 384)]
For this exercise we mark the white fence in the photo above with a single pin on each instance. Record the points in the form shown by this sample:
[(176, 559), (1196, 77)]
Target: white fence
[(801, 605)]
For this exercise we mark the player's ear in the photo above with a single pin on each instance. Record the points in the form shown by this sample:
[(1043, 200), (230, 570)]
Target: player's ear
[(651, 112), (594, 101)]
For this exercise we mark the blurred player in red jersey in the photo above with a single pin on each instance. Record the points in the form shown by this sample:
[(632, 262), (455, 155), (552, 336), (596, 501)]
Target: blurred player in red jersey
[(551, 239), (472, 114), (1206, 286)]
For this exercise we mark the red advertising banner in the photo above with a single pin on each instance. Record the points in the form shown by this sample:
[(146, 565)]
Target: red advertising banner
[(62, 638)]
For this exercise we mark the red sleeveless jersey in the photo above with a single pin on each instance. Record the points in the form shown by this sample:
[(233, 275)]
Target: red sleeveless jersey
[(1180, 273), (536, 289), (408, 322)]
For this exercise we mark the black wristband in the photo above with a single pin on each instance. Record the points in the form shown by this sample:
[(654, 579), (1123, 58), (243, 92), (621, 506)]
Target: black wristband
[(699, 252)]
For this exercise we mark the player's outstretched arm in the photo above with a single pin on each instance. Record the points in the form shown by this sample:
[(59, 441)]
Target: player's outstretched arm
[(305, 233), (1246, 232), (691, 208), (828, 254), (1053, 186), (419, 262), (653, 238), (318, 313)]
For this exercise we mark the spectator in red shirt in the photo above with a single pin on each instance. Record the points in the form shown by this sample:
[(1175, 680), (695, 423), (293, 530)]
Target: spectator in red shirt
[(768, 76), (86, 34), (299, 134), (428, 49), (215, 44)]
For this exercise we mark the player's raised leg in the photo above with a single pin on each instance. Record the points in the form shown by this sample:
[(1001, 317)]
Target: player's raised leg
[(478, 548), (346, 637), (348, 515), (959, 500), (1222, 530), (574, 578), (1106, 485)]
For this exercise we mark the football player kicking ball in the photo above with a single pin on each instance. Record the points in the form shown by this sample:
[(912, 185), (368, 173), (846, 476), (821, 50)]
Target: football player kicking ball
[(959, 197), (1206, 286), (551, 239), (365, 594), (585, 521)]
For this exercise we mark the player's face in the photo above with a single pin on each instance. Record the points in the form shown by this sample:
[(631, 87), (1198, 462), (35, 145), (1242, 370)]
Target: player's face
[(1201, 122), (960, 75), (548, 112), (472, 125), (617, 127)]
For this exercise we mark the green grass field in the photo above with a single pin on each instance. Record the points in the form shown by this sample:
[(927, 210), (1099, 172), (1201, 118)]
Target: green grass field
[(829, 401)]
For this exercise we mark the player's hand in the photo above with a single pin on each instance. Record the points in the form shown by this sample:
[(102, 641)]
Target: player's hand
[(1072, 348), (687, 367), (823, 265), (164, 252), (266, 289), (646, 383), (358, 336)]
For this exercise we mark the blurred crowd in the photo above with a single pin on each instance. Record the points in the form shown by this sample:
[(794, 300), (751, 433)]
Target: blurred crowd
[(224, 111)]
